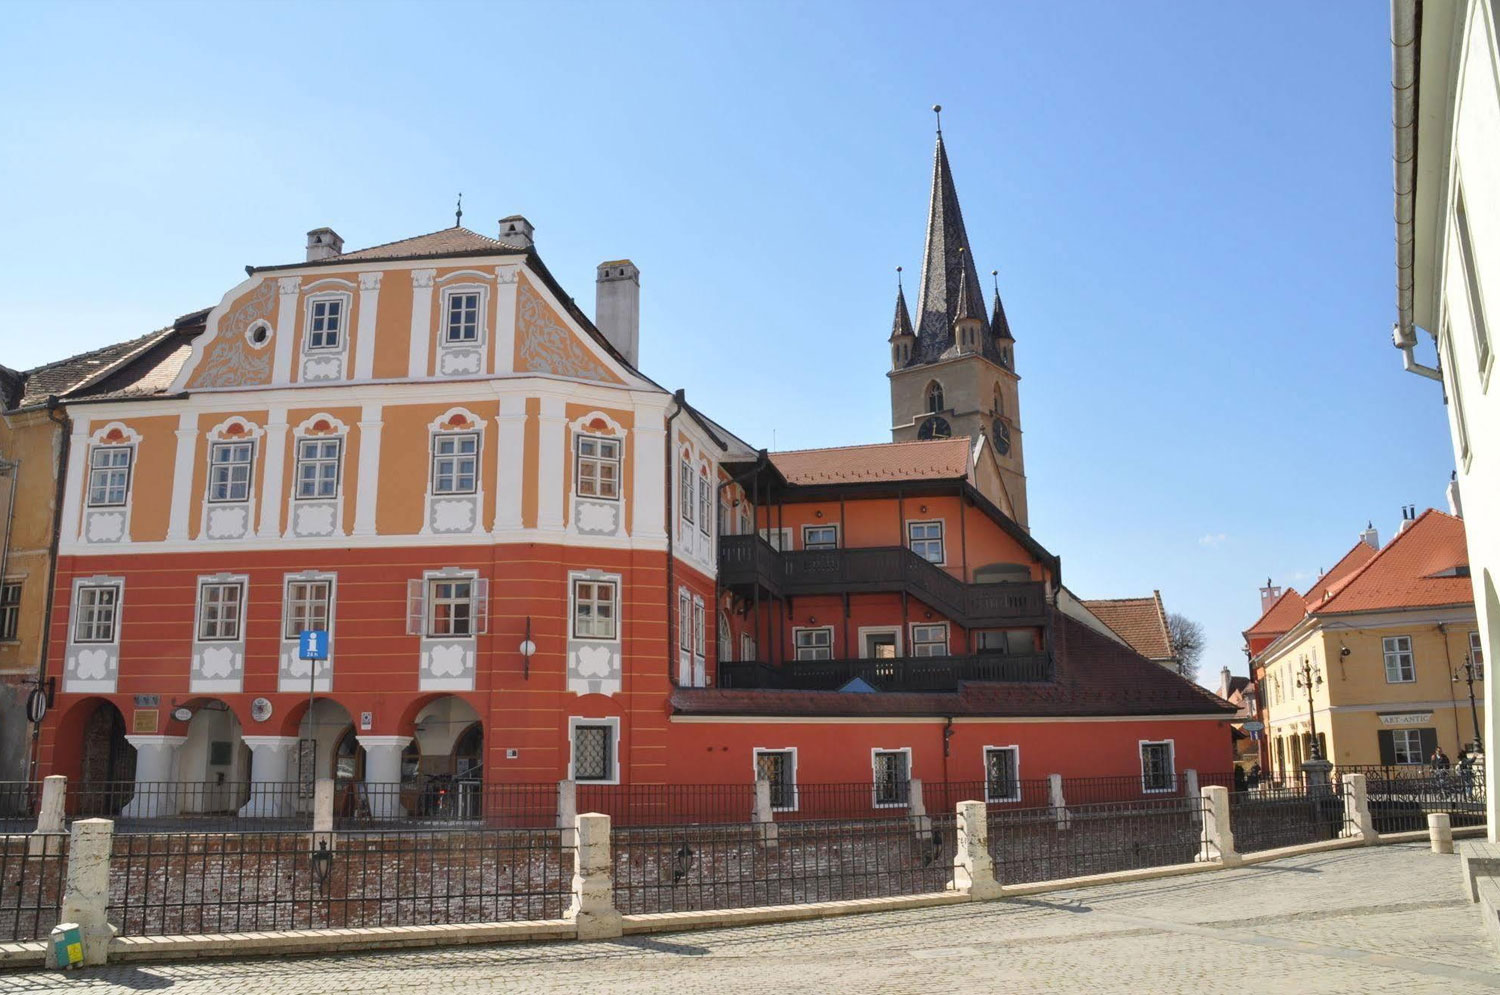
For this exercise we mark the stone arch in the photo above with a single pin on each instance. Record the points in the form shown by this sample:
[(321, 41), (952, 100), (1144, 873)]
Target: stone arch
[(932, 397), (213, 763), (90, 749)]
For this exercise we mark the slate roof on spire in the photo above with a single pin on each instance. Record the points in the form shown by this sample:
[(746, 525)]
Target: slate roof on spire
[(998, 324), (949, 280), (901, 323)]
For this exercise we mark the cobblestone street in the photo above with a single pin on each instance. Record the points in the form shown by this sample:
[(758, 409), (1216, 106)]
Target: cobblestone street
[(1388, 919)]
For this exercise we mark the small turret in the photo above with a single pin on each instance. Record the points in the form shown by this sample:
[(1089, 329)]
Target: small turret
[(968, 327), (902, 337)]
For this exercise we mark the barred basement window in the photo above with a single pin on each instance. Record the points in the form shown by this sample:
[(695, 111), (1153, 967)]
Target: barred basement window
[(109, 476), (593, 752), (779, 769), (1002, 772), (598, 467), (892, 777), (10, 610), (1157, 770), (219, 612), (94, 615)]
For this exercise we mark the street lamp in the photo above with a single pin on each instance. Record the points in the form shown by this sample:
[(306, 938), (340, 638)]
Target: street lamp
[(1309, 677), (1471, 673)]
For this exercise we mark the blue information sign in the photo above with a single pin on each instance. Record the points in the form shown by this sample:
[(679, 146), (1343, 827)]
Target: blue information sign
[(312, 644)]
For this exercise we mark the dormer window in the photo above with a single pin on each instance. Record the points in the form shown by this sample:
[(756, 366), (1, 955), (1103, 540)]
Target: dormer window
[(463, 318), (325, 323)]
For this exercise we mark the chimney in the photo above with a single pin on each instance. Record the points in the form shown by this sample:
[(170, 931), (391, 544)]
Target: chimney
[(1268, 596), (617, 307), (1408, 516), (1455, 503), (323, 243), (517, 231), (1370, 536), (1224, 683)]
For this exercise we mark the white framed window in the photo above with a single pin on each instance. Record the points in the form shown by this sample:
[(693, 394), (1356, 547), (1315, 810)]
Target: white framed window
[(1451, 384), (1400, 664), (820, 537), (747, 647), (725, 640), (1407, 744), (594, 609), (461, 316), (780, 539), (747, 526), (726, 513), (595, 750), (109, 475), (95, 612), (813, 644), (1158, 766), (929, 640), (231, 468), (318, 468), (685, 631), (1476, 655), (450, 607), (325, 322), (778, 768), (10, 610), (220, 611), (892, 770), (705, 504), (307, 606), (455, 462), (700, 628), (598, 467), (1482, 347), (685, 492), (926, 540), (1002, 773)]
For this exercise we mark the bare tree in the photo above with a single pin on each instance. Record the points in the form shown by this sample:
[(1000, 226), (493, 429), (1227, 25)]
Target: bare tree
[(1187, 644)]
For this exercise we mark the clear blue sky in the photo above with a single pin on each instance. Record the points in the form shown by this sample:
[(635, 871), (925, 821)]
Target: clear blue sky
[(1189, 206)]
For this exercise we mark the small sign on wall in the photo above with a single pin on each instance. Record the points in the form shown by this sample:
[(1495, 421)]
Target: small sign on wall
[(1406, 719), (144, 721), (366, 721), (147, 701)]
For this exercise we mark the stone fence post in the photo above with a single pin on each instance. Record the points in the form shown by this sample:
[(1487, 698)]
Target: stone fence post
[(1357, 820), (593, 905), (916, 808), (1217, 840), (1190, 790), (763, 816), (973, 867), (86, 898), (1058, 803), (50, 817), (567, 810), (323, 813)]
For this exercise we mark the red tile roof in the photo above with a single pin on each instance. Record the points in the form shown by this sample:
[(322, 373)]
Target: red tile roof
[(1424, 566), (1141, 622), (1334, 579), (1095, 676), (937, 459), (1285, 612), (448, 242)]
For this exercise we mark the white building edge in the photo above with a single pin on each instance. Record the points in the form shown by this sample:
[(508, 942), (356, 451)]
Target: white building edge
[(1445, 75)]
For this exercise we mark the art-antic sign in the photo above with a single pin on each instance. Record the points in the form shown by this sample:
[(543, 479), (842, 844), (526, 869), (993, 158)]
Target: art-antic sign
[(1406, 719)]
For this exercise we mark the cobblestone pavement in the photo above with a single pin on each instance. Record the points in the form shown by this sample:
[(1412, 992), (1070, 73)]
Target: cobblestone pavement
[(1390, 919)]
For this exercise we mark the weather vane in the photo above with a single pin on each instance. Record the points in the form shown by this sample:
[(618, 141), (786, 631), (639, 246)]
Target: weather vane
[(458, 214), (898, 277), (938, 110)]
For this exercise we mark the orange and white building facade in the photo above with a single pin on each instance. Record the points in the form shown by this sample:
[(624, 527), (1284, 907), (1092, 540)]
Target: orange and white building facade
[(535, 564)]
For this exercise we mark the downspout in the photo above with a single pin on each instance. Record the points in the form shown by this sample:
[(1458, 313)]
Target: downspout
[(66, 424), (681, 398), (1405, 63)]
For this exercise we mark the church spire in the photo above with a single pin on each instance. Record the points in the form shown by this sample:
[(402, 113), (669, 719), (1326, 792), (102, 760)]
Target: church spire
[(998, 324), (949, 279), (901, 323)]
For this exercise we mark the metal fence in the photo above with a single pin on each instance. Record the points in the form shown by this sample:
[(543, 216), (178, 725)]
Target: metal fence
[(1042, 844), (1402, 796), (726, 867), (173, 883), (670, 804), (33, 872), (1268, 818), (18, 805), (147, 806)]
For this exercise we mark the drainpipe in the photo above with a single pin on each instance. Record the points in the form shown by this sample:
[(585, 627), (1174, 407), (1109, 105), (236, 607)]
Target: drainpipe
[(54, 410), (681, 398), (1406, 27)]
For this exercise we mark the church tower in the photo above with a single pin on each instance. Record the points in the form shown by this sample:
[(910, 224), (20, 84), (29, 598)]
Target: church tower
[(953, 373)]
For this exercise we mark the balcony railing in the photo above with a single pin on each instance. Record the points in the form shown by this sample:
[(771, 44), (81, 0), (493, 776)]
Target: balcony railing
[(746, 561), (909, 673)]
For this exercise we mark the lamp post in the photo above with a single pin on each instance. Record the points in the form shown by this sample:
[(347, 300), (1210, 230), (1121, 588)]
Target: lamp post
[(1309, 678), (1471, 673)]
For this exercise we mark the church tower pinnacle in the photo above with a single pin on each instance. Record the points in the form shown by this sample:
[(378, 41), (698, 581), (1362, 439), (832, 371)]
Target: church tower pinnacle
[(953, 371)]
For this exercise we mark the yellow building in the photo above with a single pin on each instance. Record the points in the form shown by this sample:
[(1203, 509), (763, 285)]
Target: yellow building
[(1373, 656)]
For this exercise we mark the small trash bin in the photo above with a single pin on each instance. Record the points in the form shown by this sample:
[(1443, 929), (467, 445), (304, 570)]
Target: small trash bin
[(67, 945)]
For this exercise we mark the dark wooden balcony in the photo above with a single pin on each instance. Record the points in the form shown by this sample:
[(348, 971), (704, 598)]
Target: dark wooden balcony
[(907, 673), (748, 561)]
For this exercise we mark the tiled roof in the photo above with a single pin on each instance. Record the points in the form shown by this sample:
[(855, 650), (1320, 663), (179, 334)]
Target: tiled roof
[(141, 367), (936, 459), (1095, 676), (63, 375), (1424, 566), (1334, 579), (1141, 622), (448, 242), (1285, 612)]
